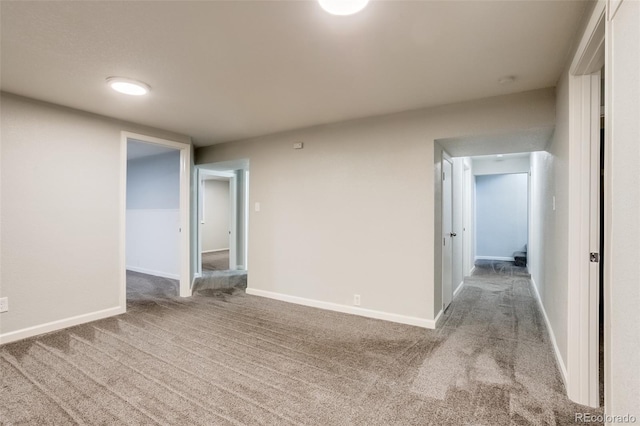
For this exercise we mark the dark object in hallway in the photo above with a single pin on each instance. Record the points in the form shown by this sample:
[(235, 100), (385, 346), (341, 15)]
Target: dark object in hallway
[(520, 258), (215, 261)]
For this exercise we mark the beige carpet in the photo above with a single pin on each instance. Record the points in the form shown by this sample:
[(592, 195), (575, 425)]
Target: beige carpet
[(228, 358), (215, 261)]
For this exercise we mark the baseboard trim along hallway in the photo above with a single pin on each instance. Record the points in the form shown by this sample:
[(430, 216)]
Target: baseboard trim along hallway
[(354, 310), (552, 336)]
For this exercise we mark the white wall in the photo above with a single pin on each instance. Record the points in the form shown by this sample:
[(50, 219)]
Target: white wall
[(457, 274), (61, 208), (154, 182), (501, 215), (360, 197), (468, 211), (541, 219), (153, 215), (622, 250), (215, 229), (552, 179)]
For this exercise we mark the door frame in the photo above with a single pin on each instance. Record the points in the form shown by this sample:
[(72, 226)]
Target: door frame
[(185, 219), (584, 198), (233, 214), (446, 157), (467, 219)]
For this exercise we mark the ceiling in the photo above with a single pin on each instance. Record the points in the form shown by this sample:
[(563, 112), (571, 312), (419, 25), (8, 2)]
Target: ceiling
[(229, 70), (494, 158), (529, 140)]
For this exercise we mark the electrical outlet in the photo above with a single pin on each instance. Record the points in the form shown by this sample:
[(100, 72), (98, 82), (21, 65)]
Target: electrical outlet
[(298, 145), (356, 300), (4, 304)]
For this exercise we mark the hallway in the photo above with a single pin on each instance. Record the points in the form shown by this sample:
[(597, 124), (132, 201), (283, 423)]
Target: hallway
[(496, 363)]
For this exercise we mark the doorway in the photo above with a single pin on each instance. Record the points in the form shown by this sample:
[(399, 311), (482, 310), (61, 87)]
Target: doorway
[(217, 216), (447, 230), (501, 216), (222, 255), (154, 237)]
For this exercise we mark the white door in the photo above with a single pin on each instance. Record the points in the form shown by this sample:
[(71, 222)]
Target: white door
[(447, 232)]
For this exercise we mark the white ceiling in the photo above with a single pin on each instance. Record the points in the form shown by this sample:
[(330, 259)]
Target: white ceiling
[(529, 140), (227, 70), (504, 157)]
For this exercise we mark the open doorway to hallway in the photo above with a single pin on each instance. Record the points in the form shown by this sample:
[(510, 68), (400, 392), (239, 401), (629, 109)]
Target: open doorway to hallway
[(216, 215), (564, 233), (223, 190), (497, 166)]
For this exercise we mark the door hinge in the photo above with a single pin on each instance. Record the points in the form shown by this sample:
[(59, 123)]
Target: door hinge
[(443, 176), (444, 241), (594, 257)]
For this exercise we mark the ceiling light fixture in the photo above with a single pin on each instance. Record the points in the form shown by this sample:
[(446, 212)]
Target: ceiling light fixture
[(343, 7), (128, 86)]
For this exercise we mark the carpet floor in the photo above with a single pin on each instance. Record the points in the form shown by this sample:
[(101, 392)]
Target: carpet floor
[(147, 287), (215, 261), (224, 357)]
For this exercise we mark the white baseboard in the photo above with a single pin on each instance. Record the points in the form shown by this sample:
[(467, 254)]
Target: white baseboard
[(36, 330), (552, 336), (457, 290), (354, 310), (438, 318), (506, 258), (152, 272), (195, 277), (213, 251)]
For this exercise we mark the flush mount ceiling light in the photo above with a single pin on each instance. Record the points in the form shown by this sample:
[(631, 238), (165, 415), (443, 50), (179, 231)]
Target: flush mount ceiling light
[(343, 7), (128, 86)]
